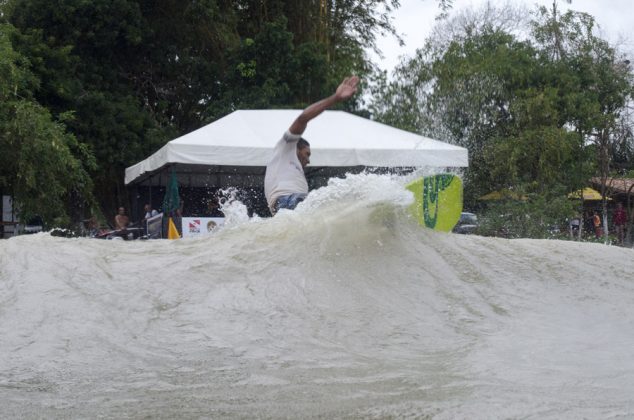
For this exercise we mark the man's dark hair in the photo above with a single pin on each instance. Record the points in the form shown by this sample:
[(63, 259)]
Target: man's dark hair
[(302, 142)]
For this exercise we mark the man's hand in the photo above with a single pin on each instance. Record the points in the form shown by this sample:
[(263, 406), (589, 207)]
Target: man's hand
[(347, 88)]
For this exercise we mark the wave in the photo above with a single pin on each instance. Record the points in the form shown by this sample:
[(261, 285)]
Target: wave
[(344, 308)]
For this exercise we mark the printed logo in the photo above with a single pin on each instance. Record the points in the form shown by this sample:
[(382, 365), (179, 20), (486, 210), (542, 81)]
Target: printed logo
[(432, 187), (194, 226)]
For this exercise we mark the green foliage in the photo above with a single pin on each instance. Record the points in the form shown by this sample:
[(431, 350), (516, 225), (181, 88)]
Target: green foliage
[(119, 132), (271, 70), (538, 114), (14, 69), (41, 165), (136, 73), (534, 156), (542, 216)]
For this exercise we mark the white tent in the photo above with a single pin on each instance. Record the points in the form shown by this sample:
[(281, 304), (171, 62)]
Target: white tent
[(242, 142)]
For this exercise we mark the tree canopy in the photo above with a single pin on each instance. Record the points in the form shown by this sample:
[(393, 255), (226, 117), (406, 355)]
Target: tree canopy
[(42, 165), (540, 114), (117, 79)]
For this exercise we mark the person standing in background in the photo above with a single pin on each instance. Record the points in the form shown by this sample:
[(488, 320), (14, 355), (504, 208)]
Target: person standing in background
[(596, 222), (149, 212), (619, 218)]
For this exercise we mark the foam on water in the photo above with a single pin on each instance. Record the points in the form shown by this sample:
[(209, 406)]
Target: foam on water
[(344, 308)]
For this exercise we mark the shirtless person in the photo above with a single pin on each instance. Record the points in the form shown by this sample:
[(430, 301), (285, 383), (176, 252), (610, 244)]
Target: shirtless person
[(285, 184), (121, 221)]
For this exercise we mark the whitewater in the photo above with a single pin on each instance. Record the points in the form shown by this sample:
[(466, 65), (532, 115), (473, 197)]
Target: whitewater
[(344, 308)]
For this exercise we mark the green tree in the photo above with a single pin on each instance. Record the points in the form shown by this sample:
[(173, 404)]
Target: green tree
[(135, 73), (526, 109), (84, 53), (290, 53), (41, 163), (600, 79), (541, 216), (269, 71)]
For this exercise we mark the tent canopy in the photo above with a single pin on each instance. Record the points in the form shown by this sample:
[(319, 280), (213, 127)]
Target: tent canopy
[(589, 194), (503, 194), (242, 143), (614, 186)]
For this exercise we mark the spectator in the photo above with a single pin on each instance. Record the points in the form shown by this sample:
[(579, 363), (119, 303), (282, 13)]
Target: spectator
[(619, 219), (149, 212), (93, 228), (574, 228), (121, 220), (596, 222)]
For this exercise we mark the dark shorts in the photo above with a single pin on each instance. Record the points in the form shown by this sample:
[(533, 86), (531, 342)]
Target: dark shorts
[(290, 201)]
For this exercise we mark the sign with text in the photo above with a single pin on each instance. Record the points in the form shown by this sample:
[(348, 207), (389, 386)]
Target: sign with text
[(196, 226)]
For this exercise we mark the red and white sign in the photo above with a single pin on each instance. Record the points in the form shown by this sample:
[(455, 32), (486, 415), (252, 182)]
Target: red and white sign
[(196, 226)]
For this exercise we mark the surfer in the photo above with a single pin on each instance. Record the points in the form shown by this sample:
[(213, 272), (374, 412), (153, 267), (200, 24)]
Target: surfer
[(285, 183)]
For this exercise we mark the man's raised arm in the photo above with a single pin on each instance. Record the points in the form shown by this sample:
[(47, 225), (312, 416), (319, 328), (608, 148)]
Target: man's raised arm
[(345, 90)]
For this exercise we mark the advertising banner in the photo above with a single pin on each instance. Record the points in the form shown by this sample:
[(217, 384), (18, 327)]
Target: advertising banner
[(196, 226)]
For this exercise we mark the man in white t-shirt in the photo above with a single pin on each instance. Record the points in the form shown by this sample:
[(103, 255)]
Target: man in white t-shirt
[(149, 212), (285, 184)]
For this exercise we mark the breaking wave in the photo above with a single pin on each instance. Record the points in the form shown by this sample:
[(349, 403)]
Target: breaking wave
[(344, 308)]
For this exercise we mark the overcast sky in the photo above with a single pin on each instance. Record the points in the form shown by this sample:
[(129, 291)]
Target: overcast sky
[(414, 19)]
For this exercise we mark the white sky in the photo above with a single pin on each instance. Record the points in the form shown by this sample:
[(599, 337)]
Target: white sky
[(415, 18)]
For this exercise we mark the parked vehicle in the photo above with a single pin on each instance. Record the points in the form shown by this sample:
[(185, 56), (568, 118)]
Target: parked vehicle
[(468, 223), (33, 225)]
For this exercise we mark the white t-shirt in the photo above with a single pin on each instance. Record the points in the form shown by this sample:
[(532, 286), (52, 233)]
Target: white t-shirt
[(151, 214), (284, 173)]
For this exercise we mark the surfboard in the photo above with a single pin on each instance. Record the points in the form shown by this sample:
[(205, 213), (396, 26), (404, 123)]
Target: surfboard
[(437, 201)]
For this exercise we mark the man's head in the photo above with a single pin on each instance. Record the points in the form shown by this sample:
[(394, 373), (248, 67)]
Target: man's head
[(303, 152), (121, 210), (147, 207)]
